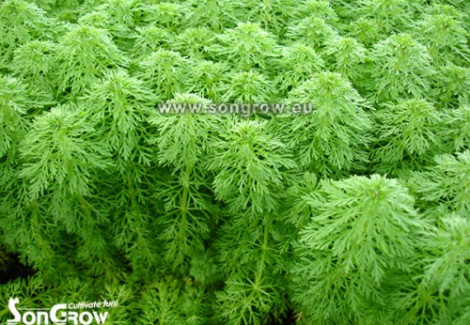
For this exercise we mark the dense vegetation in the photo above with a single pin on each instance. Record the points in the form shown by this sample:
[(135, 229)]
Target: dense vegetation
[(356, 213)]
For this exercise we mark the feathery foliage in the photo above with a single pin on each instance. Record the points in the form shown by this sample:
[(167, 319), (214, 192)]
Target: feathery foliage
[(118, 181)]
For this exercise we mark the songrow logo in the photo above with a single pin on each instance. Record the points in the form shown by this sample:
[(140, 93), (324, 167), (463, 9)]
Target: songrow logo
[(73, 313)]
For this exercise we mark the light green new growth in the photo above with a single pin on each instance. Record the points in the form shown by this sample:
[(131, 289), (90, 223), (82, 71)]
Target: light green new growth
[(347, 203)]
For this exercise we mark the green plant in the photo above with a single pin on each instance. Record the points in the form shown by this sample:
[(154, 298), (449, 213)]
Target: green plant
[(330, 139), (447, 182), (402, 68), (361, 230), (84, 54), (247, 46), (409, 135), (122, 176)]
